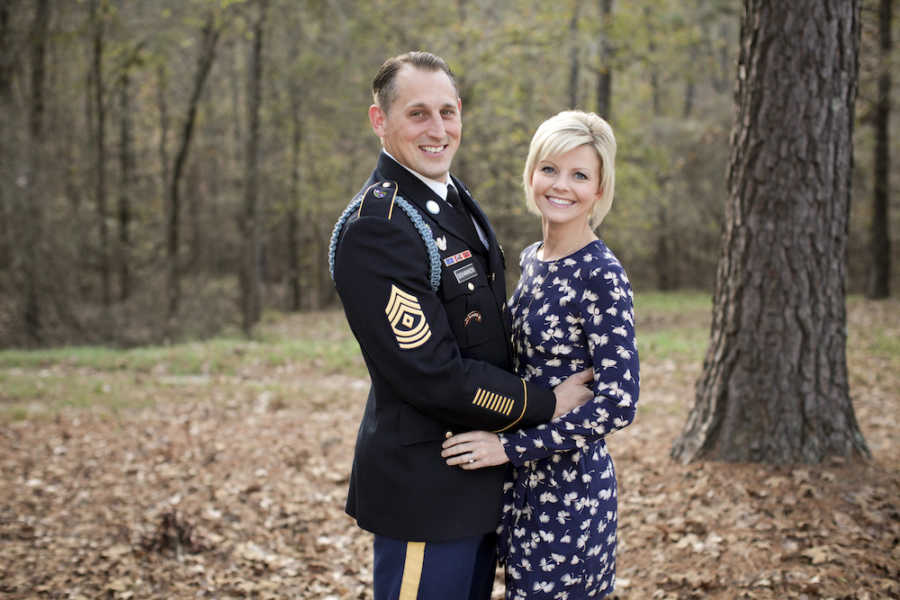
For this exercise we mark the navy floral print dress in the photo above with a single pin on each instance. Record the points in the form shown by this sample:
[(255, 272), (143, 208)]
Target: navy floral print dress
[(558, 529)]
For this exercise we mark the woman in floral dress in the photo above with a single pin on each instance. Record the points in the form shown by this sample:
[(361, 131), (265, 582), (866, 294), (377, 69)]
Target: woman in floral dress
[(572, 310)]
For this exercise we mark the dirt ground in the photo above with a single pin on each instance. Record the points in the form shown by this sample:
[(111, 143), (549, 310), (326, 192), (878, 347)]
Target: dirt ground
[(220, 490)]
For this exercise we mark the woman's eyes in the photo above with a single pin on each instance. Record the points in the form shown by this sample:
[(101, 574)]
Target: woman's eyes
[(548, 170)]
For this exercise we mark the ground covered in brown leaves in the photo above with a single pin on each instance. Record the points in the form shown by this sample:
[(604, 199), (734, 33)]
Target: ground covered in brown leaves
[(228, 480)]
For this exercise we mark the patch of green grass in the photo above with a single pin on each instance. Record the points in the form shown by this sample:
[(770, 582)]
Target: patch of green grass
[(672, 325), (673, 343), (333, 356), (672, 302), (42, 382), (886, 344), (35, 382), (98, 358), (25, 393), (216, 356)]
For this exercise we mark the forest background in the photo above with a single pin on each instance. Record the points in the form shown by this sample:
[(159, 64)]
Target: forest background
[(171, 169), (170, 172)]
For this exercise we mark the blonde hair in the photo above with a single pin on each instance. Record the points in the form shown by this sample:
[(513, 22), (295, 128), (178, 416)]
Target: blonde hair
[(566, 131)]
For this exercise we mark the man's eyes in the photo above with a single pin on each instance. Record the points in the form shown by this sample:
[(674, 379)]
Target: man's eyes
[(420, 114)]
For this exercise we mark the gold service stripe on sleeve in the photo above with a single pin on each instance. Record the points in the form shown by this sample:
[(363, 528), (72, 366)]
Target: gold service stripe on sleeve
[(524, 407)]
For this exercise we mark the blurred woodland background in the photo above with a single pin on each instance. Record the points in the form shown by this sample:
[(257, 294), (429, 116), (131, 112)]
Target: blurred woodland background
[(170, 169)]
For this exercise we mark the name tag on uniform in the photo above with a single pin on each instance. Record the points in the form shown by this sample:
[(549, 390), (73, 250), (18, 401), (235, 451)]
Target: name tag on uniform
[(465, 273)]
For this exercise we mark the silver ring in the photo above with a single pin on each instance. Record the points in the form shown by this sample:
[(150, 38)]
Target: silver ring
[(471, 460)]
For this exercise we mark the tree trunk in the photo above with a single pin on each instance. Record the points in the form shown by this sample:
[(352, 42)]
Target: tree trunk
[(652, 61), (880, 275), (574, 67), (33, 234), (690, 86), (162, 81), (774, 385), (100, 114), (7, 138), (210, 37), (293, 229), (126, 169), (251, 303), (721, 77), (662, 254), (604, 75)]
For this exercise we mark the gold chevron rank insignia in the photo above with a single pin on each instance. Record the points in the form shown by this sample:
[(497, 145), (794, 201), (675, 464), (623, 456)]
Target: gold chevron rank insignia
[(491, 401), (407, 319)]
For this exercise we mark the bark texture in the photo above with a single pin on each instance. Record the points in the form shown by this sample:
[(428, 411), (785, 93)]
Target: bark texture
[(774, 385)]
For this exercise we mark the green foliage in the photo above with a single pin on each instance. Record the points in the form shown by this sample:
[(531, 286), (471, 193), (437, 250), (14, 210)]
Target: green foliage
[(672, 66)]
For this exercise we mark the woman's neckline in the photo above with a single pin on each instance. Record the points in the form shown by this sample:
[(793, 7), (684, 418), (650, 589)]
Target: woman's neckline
[(569, 255)]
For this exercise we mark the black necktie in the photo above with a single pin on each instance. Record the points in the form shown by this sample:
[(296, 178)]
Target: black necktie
[(453, 197), (465, 218)]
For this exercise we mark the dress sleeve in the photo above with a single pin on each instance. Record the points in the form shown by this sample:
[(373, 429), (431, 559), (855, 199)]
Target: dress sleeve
[(606, 314)]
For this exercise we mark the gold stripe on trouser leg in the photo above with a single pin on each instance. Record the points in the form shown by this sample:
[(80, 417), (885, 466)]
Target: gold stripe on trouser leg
[(412, 570)]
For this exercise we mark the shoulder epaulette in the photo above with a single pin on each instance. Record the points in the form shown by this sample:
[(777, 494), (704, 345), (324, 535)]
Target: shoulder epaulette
[(368, 201)]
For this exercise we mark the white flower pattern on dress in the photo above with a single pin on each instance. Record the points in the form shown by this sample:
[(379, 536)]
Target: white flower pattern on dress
[(558, 529)]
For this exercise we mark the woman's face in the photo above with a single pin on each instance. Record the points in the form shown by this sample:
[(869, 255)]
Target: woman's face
[(565, 187)]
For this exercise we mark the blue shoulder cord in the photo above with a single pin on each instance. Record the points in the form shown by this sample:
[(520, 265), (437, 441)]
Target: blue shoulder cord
[(434, 258)]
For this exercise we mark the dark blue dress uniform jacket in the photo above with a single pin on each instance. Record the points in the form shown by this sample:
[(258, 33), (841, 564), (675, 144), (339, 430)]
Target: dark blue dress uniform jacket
[(439, 361)]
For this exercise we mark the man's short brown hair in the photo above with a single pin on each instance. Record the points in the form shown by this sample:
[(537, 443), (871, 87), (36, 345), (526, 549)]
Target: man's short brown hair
[(383, 89)]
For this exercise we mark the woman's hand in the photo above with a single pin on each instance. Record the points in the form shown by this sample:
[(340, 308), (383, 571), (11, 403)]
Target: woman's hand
[(575, 391), (474, 450)]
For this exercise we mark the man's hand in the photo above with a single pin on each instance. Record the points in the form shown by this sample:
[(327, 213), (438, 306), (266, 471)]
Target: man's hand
[(573, 392), (474, 450)]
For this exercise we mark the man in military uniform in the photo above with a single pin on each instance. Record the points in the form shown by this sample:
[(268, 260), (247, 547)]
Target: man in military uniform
[(421, 277)]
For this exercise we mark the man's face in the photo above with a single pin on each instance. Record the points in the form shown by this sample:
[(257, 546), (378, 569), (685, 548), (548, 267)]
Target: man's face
[(424, 124)]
